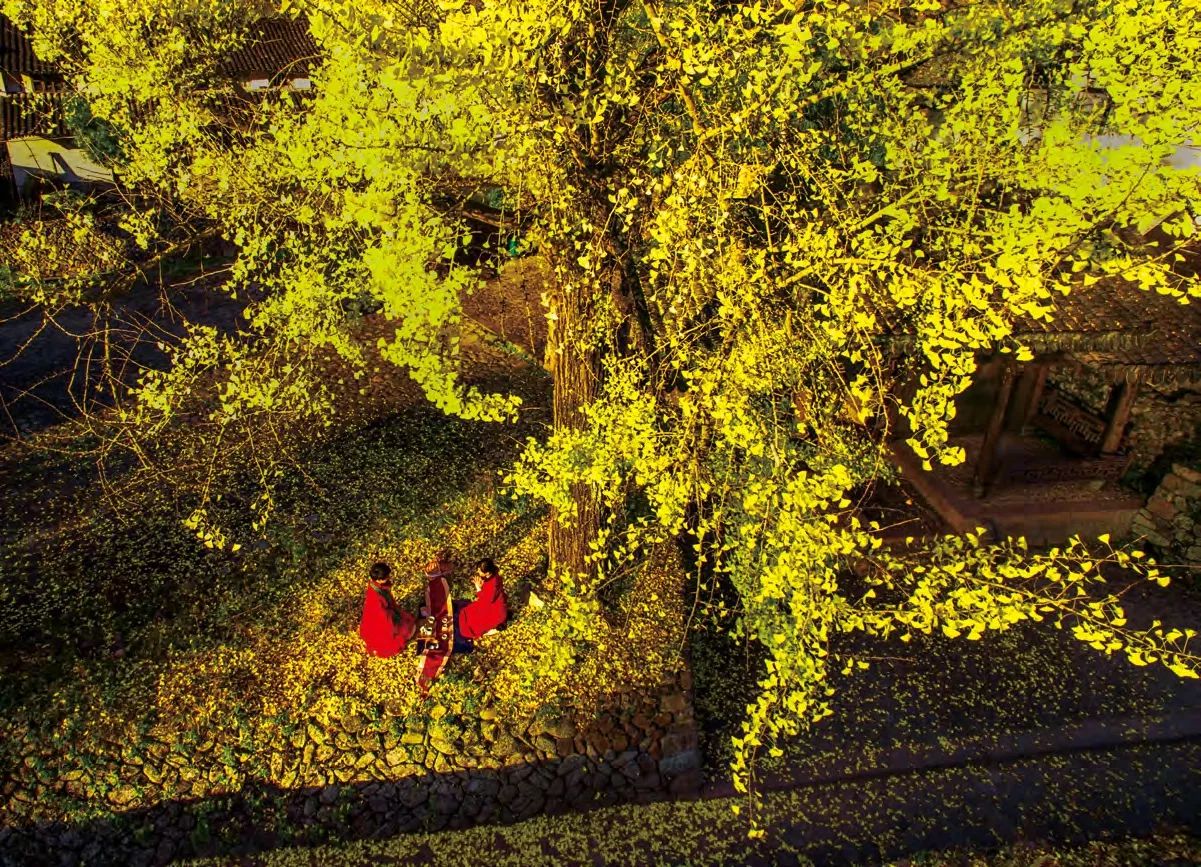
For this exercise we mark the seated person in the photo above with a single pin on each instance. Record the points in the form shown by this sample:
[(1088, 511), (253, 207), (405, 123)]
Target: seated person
[(487, 612), (384, 628), (440, 566), (435, 642)]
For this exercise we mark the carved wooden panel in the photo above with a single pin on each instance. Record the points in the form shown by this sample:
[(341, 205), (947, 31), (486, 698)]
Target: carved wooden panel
[(1074, 426)]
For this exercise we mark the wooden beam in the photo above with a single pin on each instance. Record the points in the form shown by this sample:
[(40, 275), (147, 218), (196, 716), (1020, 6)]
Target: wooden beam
[(1027, 392), (986, 464), (1121, 401)]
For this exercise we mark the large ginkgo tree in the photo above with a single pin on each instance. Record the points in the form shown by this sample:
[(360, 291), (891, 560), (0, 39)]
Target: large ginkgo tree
[(781, 234)]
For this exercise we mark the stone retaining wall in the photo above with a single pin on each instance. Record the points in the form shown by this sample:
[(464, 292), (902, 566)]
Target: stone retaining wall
[(361, 778), (1160, 426), (1171, 520)]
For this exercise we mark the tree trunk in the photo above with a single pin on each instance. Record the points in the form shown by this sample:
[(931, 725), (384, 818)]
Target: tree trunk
[(573, 358), (574, 354)]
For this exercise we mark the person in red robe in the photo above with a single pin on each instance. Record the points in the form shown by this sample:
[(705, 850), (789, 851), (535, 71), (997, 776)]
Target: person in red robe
[(435, 635), (488, 611), (384, 627)]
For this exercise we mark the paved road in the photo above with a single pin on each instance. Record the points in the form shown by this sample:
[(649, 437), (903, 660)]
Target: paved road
[(1083, 790)]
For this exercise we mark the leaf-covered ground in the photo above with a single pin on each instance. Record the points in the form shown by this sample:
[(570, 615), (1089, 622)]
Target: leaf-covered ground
[(116, 625)]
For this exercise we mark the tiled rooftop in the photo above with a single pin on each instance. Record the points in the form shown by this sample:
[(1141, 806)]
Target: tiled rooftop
[(1118, 325), (278, 47), (1117, 306), (23, 114), (1112, 324), (16, 54)]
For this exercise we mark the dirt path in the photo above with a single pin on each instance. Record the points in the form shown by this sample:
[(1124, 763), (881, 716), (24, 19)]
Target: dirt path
[(49, 367)]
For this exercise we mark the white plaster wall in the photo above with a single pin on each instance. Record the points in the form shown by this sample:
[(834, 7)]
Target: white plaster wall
[(58, 158)]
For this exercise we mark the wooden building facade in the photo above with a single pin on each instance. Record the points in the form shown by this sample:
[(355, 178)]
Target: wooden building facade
[(1064, 443)]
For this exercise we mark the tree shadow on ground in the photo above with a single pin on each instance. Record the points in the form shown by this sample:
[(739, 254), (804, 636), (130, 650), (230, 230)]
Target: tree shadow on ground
[(1029, 678), (262, 816), (1065, 799)]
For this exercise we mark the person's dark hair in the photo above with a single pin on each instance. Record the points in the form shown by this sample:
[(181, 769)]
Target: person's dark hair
[(487, 566), (380, 572)]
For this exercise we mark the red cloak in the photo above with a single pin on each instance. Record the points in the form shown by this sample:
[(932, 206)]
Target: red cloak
[(437, 633), (489, 609), (384, 628)]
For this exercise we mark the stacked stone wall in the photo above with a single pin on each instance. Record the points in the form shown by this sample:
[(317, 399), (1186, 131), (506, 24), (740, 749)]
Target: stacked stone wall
[(356, 779), (1171, 520), (1159, 426), (1087, 387)]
